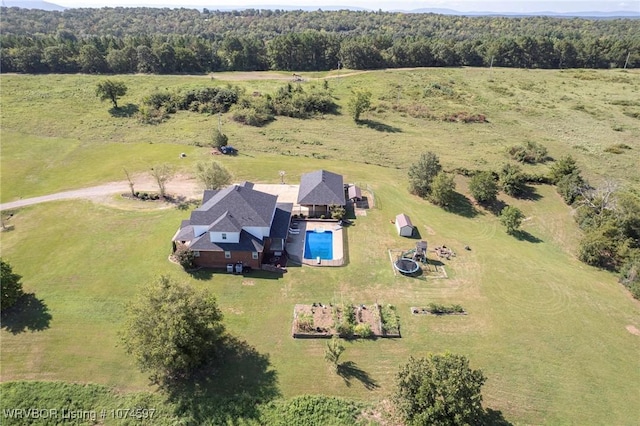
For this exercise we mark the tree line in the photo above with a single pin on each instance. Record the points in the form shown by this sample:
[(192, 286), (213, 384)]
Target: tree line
[(67, 42)]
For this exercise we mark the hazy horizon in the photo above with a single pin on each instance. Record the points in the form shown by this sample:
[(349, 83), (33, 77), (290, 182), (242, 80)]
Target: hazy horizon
[(559, 6)]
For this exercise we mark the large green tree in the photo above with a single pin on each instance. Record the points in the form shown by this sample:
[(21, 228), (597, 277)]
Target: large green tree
[(439, 389), (483, 187), (213, 175), (172, 330), (443, 189), (111, 90), (422, 173), (10, 286)]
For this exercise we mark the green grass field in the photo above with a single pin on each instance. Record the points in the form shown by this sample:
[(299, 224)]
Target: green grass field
[(548, 332)]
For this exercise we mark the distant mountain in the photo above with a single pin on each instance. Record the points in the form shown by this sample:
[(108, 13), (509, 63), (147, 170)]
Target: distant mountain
[(32, 4), (585, 14), (38, 4)]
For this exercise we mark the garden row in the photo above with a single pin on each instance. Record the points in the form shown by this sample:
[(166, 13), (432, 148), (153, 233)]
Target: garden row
[(348, 321)]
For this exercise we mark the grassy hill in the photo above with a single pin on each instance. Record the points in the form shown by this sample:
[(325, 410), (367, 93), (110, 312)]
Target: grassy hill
[(549, 332)]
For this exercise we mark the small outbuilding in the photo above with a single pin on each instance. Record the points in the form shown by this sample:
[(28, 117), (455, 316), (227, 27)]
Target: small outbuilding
[(355, 193), (404, 225)]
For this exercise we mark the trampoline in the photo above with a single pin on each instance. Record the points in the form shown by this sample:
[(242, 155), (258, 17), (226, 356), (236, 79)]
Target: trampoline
[(406, 266)]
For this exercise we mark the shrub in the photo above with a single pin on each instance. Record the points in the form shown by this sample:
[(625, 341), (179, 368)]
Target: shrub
[(363, 330), (618, 148), (563, 167), (531, 152), (311, 410), (630, 275), (389, 319), (185, 257), (337, 212)]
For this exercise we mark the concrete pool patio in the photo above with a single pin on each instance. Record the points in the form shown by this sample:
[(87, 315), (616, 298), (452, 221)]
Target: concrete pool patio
[(296, 241)]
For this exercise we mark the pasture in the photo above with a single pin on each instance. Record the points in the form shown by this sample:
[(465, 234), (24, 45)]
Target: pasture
[(549, 333)]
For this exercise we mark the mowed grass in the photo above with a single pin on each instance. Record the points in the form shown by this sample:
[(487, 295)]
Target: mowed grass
[(548, 332)]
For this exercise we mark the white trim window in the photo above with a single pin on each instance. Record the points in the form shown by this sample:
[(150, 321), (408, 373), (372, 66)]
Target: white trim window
[(196, 253), (254, 255), (224, 236), (227, 255)]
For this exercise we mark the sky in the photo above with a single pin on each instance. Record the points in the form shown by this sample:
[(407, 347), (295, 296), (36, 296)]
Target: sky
[(507, 6)]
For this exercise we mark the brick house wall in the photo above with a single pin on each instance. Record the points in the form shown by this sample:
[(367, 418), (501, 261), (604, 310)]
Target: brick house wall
[(216, 259)]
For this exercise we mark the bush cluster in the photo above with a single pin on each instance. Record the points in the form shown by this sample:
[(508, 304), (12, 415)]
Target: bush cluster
[(531, 152)]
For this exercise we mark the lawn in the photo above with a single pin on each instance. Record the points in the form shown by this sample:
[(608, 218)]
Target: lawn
[(547, 331)]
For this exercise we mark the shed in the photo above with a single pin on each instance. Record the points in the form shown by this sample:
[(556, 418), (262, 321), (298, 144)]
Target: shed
[(404, 225), (355, 193)]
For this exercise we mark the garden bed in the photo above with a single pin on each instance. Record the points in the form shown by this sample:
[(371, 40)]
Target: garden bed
[(319, 320), (435, 309)]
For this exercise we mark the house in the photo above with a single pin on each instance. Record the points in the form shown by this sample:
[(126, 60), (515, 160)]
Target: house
[(354, 192), (319, 190), (404, 226), (236, 225)]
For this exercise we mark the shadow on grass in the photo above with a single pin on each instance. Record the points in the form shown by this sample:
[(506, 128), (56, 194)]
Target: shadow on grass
[(124, 111), (206, 274), (232, 389), (349, 371), (529, 193), (525, 236), (28, 314), (378, 126), (494, 418), (462, 206), (495, 207)]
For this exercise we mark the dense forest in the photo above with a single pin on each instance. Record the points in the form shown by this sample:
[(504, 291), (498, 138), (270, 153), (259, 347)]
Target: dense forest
[(166, 41)]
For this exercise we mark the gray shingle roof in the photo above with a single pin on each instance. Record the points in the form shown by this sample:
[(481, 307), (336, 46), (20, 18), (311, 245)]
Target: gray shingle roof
[(321, 188), (242, 205), (247, 243), (281, 220)]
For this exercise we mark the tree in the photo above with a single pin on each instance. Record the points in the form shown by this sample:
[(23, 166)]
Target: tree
[(91, 60), (511, 217), (112, 90), (570, 186), (439, 390), (219, 139), (422, 173), (359, 103), (213, 175), (162, 174), (483, 187), (512, 179), (563, 167), (131, 184), (443, 189), (171, 330), (333, 351), (10, 286)]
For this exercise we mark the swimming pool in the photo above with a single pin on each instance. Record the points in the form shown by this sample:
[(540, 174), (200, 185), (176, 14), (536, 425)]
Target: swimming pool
[(318, 244)]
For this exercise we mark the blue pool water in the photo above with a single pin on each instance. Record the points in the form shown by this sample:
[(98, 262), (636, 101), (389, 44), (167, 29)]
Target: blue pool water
[(318, 244)]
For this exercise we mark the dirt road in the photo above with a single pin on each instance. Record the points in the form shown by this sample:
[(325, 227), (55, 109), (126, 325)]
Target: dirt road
[(180, 185)]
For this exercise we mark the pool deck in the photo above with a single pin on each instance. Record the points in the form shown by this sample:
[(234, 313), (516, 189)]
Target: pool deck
[(295, 243)]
